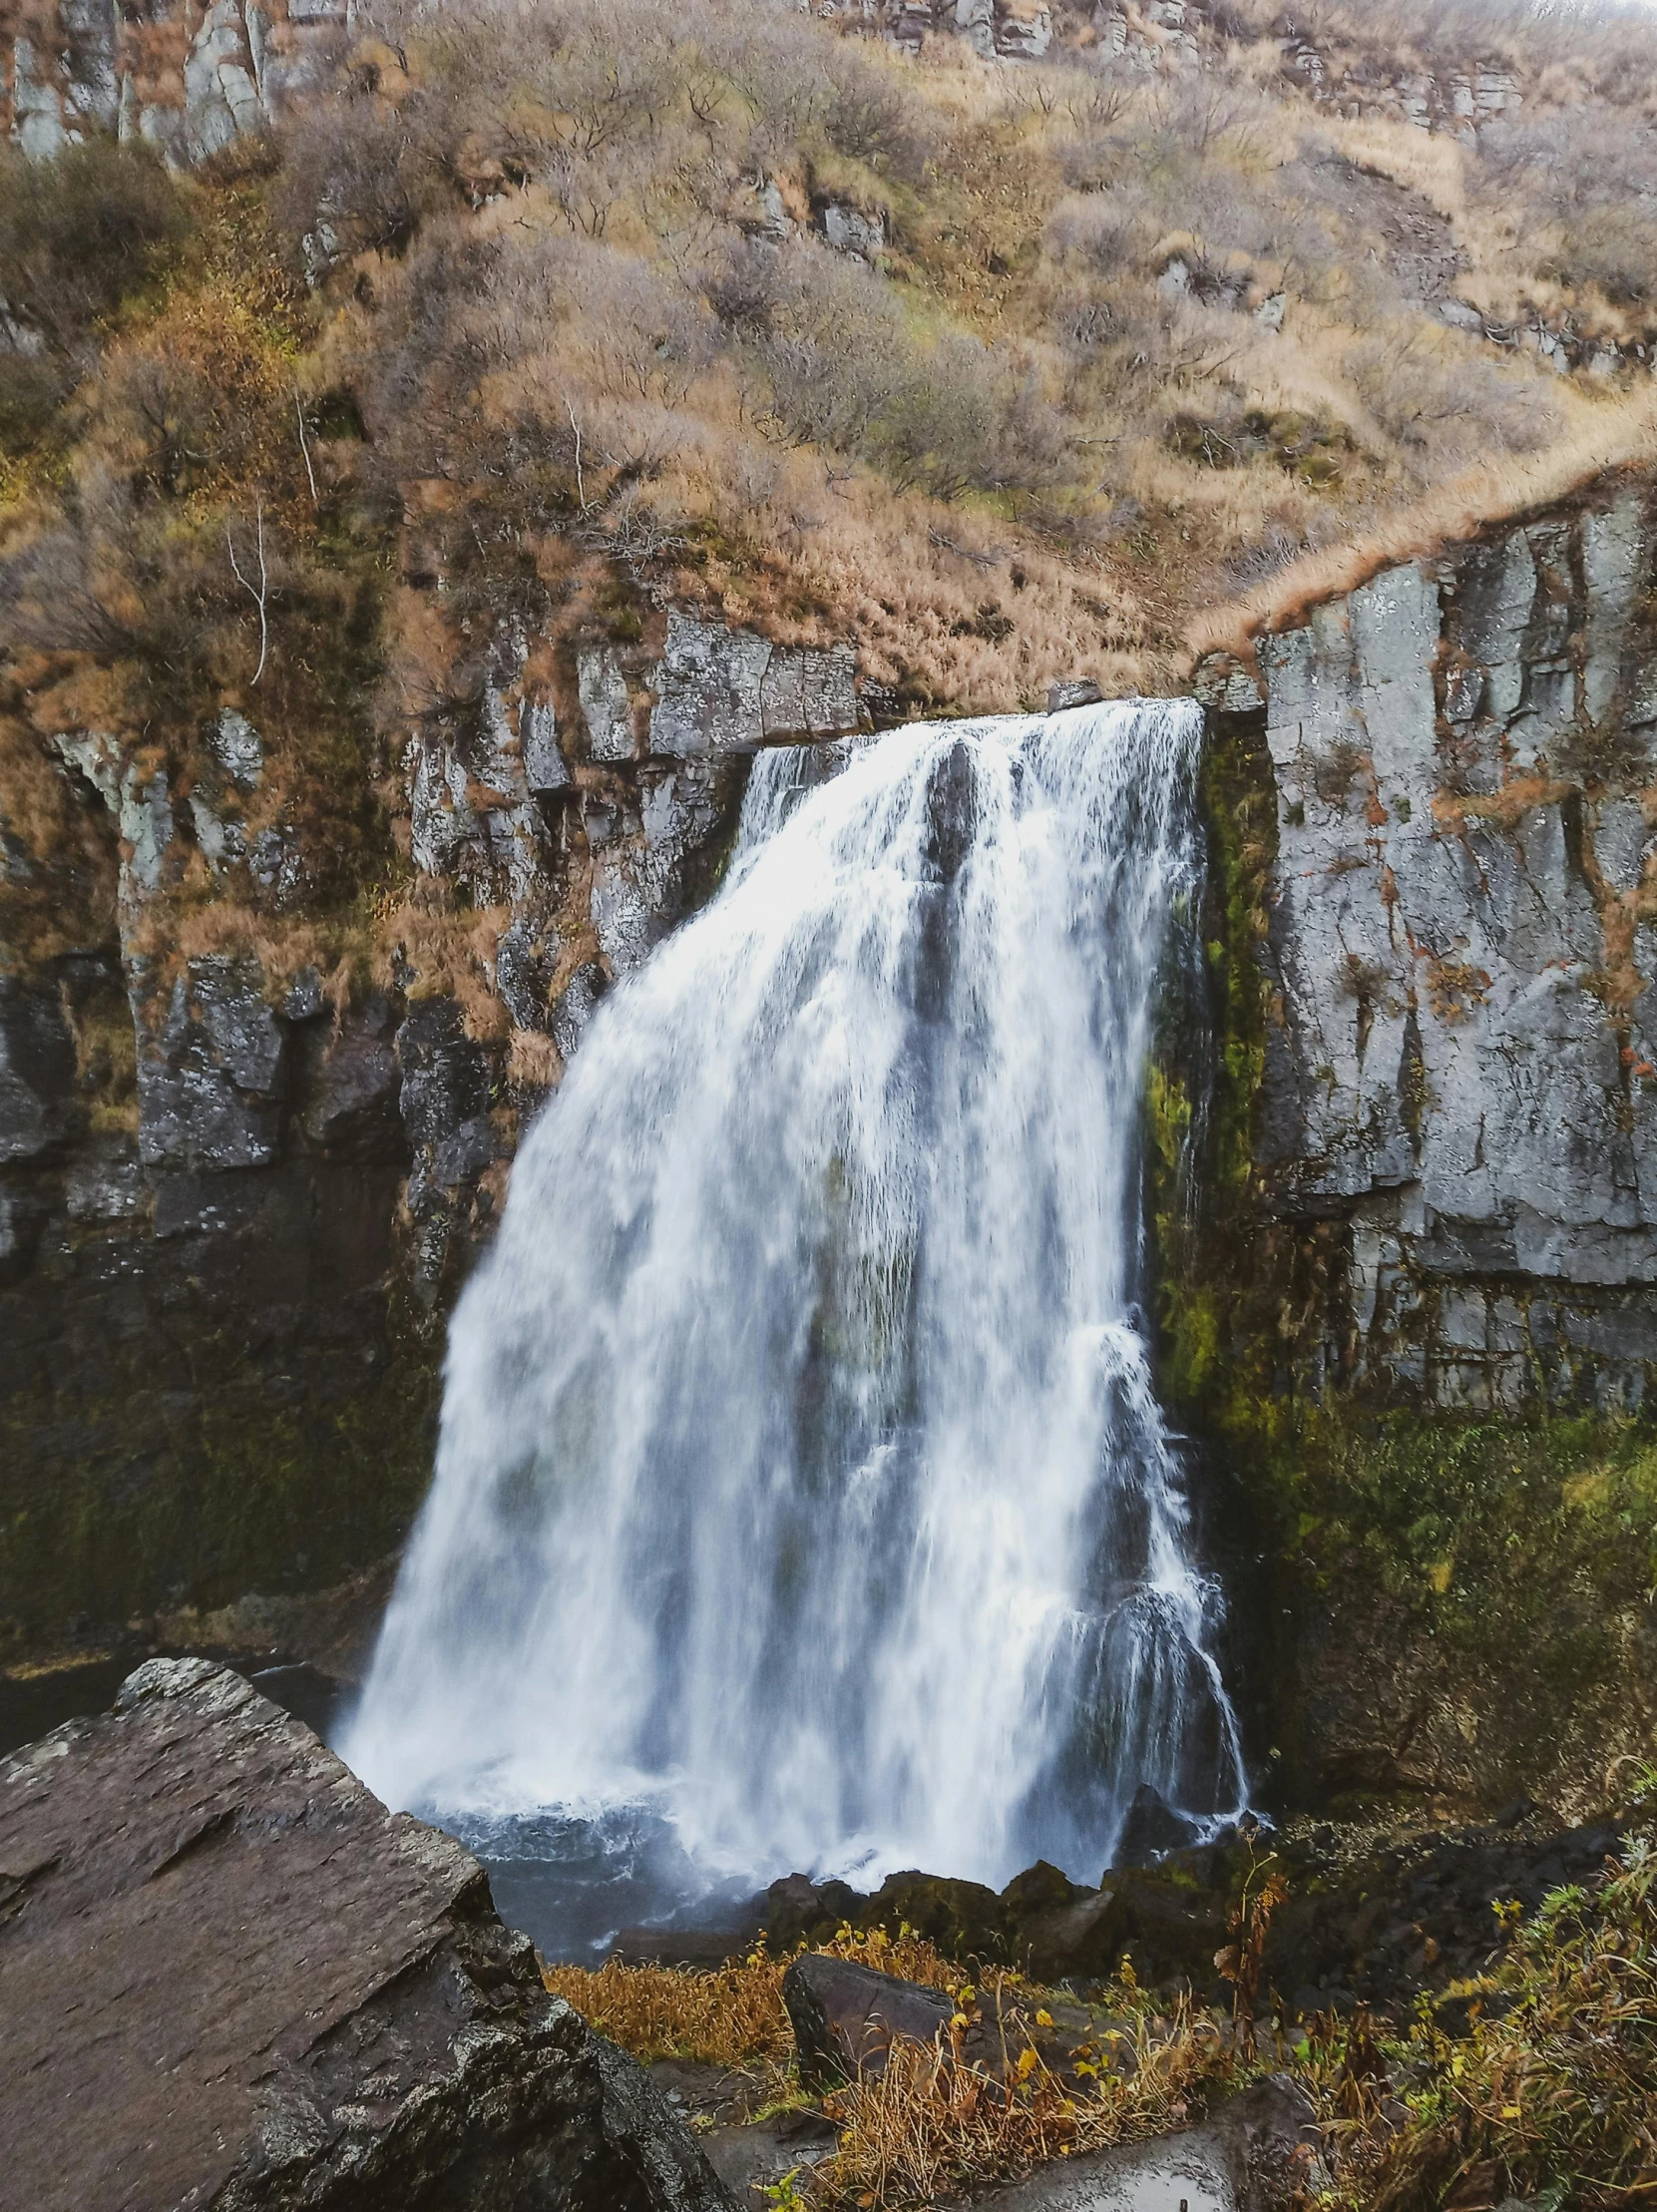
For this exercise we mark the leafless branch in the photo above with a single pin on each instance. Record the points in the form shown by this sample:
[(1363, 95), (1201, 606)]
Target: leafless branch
[(304, 446), (259, 594)]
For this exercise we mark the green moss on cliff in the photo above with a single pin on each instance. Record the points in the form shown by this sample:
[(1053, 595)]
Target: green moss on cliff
[(1450, 1604), (148, 1498)]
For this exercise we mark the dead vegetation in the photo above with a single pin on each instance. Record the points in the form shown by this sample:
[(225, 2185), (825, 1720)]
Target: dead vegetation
[(1534, 2083), (533, 319)]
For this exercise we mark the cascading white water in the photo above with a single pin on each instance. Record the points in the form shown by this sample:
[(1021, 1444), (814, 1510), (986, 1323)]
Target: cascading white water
[(801, 1473)]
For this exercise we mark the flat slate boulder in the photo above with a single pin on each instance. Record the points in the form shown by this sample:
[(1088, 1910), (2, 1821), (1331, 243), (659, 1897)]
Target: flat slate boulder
[(233, 1979), (845, 2016)]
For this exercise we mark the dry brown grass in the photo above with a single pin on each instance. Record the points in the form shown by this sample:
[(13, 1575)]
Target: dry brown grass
[(931, 2124), (1420, 160), (1605, 437), (933, 2120), (730, 2016)]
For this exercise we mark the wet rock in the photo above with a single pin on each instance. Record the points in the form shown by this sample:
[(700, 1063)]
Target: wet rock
[(751, 2158), (952, 812), (798, 1909), (37, 1073), (1152, 1829), (353, 1085), (361, 2027), (444, 1094), (845, 2016), (576, 1006), (212, 1066), (1257, 2152), (1075, 690), (964, 1919)]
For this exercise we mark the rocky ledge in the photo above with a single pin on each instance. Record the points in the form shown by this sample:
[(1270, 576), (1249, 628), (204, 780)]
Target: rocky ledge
[(233, 1979)]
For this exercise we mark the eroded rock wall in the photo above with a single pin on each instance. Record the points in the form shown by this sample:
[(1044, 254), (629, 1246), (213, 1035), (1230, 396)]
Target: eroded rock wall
[(188, 80), (1460, 1050), (1418, 1317), (222, 1288)]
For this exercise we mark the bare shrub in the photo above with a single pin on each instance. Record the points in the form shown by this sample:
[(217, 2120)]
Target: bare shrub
[(356, 177), (79, 232), (1430, 400)]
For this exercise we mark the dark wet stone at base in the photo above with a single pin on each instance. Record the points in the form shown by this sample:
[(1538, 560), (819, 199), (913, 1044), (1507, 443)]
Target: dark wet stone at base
[(233, 1976)]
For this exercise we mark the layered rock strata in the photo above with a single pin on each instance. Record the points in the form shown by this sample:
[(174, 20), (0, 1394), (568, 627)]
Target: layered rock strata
[(1460, 1047), (360, 2028), (219, 1298)]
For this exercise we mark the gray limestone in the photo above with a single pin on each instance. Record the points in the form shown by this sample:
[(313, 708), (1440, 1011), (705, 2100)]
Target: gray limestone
[(212, 1070), (1453, 1065)]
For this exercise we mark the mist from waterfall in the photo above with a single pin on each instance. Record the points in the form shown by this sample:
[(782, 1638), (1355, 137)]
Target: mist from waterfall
[(801, 1473)]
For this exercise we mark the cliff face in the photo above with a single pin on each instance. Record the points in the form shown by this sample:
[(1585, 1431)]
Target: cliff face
[(186, 79), (1437, 1273), (1460, 1065), (191, 79), (232, 1205)]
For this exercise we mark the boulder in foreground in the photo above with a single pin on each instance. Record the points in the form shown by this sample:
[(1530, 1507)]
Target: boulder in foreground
[(233, 1979)]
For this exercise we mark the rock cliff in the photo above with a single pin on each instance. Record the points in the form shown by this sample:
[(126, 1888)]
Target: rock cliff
[(1460, 1065), (1423, 1322), (221, 1285), (191, 81)]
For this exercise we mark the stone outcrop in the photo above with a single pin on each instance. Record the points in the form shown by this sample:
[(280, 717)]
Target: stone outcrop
[(589, 829), (361, 2029), (189, 82), (845, 2016), (1259, 2151), (1461, 1040), (192, 83), (232, 1205)]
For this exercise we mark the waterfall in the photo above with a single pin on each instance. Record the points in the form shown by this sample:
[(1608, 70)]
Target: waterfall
[(801, 1471)]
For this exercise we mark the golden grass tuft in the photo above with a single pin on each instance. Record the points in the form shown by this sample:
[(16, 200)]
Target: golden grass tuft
[(729, 2016), (1423, 162), (1613, 436), (931, 2124)]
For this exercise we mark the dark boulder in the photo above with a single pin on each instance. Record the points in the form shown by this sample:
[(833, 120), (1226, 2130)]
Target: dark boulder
[(1151, 1830), (232, 1977), (798, 1910), (964, 1919), (845, 2016)]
